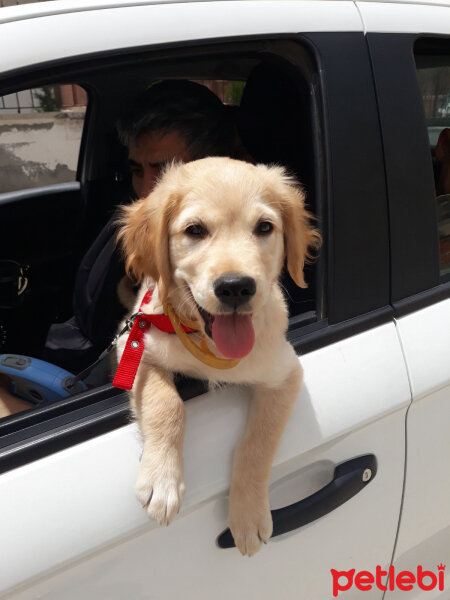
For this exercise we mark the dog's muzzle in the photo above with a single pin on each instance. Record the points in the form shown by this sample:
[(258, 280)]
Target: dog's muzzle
[(232, 330)]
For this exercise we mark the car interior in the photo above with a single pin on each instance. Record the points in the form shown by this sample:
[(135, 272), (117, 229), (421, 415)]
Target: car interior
[(48, 231)]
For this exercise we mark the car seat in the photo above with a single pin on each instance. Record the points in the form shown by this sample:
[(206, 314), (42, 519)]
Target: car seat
[(77, 342), (274, 125)]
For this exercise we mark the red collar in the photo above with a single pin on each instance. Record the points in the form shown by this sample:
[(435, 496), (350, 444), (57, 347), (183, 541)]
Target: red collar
[(134, 348)]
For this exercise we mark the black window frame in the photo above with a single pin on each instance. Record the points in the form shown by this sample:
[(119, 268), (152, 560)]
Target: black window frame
[(354, 265), (415, 278)]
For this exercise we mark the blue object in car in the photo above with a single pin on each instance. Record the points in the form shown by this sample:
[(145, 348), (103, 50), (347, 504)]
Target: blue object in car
[(37, 381)]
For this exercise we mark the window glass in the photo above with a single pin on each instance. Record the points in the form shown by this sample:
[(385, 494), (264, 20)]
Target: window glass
[(230, 92), (40, 136), (434, 80)]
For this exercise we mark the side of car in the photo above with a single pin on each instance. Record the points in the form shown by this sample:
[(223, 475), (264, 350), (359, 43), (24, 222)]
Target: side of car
[(371, 337), (421, 304)]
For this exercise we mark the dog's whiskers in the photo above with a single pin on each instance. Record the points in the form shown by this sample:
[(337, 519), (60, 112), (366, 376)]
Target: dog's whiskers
[(187, 298)]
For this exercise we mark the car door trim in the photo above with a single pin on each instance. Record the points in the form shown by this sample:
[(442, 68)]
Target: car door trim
[(47, 190)]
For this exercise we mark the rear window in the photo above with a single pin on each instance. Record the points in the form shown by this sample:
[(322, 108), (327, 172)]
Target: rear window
[(433, 71)]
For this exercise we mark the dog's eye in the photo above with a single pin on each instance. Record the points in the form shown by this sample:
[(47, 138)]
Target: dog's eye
[(196, 231), (264, 228)]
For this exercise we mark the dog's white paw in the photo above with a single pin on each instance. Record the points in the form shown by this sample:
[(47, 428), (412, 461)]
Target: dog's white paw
[(160, 490), (250, 524)]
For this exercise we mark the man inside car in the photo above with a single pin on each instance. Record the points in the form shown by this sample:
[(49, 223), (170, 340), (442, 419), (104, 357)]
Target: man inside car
[(172, 120)]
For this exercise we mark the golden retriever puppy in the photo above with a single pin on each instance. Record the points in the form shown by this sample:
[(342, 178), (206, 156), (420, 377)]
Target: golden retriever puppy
[(212, 238)]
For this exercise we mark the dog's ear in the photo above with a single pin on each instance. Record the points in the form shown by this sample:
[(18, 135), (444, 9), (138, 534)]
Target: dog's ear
[(144, 237), (134, 237), (301, 239)]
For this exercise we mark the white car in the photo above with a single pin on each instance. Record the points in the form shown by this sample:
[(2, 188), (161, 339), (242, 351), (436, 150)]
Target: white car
[(360, 486)]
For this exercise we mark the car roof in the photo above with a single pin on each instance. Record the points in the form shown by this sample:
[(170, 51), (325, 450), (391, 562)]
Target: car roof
[(424, 2), (40, 9)]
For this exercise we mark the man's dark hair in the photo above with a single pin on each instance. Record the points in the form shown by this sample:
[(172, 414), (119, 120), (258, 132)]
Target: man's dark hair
[(189, 108)]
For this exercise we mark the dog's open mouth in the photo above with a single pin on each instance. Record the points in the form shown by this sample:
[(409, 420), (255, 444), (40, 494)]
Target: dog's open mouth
[(232, 333)]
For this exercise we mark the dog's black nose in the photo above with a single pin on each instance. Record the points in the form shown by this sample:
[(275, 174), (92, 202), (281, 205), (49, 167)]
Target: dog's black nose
[(234, 289)]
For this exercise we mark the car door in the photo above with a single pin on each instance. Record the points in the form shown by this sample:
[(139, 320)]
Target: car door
[(70, 522), (416, 184)]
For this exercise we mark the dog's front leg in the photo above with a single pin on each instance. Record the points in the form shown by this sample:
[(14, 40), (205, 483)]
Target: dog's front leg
[(160, 413), (250, 520)]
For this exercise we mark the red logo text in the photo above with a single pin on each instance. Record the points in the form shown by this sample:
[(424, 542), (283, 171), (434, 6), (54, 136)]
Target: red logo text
[(388, 580)]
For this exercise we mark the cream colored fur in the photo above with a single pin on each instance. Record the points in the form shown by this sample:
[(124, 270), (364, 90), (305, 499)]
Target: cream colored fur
[(228, 198)]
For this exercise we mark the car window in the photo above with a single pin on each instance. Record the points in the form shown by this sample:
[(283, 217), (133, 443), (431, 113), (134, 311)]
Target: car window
[(40, 136), (433, 71), (69, 280)]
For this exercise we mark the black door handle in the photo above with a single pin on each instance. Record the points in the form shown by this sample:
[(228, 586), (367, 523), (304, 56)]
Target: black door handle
[(349, 479)]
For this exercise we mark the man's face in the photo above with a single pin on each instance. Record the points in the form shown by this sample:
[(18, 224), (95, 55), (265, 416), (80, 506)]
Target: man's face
[(148, 156)]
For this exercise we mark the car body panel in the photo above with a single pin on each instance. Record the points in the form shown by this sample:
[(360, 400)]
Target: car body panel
[(388, 17), (93, 502), (27, 11), (425, 342), (424, 533), (58, 36)]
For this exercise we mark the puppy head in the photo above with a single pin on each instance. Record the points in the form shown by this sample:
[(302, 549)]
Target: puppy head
[(214, 234)]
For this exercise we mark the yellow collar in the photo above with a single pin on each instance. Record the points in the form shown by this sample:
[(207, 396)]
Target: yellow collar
[(201, 352)]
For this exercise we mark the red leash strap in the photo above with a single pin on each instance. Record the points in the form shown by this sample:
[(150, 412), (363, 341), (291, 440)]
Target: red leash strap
[(131, 357), (134, 348)]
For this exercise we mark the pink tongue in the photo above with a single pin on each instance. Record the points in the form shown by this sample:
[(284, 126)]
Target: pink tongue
[(233, 335)]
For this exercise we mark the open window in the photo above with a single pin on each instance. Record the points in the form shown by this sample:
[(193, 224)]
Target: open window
[(273, 87)]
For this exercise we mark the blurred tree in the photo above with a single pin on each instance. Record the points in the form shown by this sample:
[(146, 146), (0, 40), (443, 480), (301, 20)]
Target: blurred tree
[(48, 98), (233, 93)]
